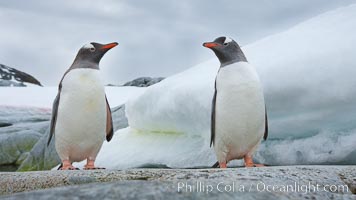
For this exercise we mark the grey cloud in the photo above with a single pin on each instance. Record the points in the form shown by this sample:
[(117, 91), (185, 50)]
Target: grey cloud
[(157, 38)]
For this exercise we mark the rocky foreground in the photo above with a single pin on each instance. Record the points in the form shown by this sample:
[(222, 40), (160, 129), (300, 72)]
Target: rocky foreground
[(289, 182)]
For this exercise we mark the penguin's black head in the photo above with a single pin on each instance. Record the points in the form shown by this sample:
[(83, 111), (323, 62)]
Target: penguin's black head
[(227, 50), (93, 52)]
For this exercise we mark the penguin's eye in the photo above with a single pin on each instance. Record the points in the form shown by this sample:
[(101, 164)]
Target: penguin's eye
[(92, 49), (225, 44)]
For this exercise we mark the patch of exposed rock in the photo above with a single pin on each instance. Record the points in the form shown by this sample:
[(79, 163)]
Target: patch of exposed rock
[(289, 182)]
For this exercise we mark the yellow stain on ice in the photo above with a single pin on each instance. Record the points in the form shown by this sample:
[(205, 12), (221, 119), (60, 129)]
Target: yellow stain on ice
[(158, 132)]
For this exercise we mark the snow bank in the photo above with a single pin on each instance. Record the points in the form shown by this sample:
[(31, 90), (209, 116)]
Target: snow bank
[(307, 72), (179, 104), (43, 97)]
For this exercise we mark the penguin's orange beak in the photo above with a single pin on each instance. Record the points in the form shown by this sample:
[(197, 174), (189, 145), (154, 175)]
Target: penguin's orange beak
[(110, 45), (210, 44)]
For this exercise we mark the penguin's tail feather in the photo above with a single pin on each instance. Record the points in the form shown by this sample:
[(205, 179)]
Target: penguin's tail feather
[(216, 165)]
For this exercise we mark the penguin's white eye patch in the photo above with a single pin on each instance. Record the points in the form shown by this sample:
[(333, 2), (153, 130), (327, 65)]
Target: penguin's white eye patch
[(90, 47), (227, 40)]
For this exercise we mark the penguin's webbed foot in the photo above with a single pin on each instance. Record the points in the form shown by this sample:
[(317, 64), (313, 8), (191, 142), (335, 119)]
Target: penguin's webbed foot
[(67, 165), (249, 162), (254, 165), (93, 168), (222, 165), (70, 168), (90, 165)]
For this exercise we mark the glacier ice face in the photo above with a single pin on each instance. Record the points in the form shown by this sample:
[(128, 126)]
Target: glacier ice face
[(179, 104), (307, 72)]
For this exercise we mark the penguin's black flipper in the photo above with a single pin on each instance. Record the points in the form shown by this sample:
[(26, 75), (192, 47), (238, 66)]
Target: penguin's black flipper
[(266, 125), (54, 117), (212, 130), (60, 167), (109, 126), (216, 165), (55, 110)]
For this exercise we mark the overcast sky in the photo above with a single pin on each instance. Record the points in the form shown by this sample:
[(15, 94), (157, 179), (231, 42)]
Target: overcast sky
[(156, 38)]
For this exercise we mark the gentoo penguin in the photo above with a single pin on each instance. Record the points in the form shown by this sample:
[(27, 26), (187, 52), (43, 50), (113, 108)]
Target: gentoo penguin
[(239, 118), (81, 115)]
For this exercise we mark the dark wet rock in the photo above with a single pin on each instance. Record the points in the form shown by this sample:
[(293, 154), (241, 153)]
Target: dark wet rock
[(4, 124), (13, 77), (144, 81)]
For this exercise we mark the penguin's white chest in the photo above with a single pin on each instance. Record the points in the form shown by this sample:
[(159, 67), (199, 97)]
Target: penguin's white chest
[(239, 111), (81, 119)]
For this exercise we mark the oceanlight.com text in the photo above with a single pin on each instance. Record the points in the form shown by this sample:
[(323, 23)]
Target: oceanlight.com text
[(296, 187)]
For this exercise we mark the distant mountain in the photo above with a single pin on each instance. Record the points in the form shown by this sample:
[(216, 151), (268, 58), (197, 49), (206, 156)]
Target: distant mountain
[(144, 81), (13, 77), (140, 82)]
